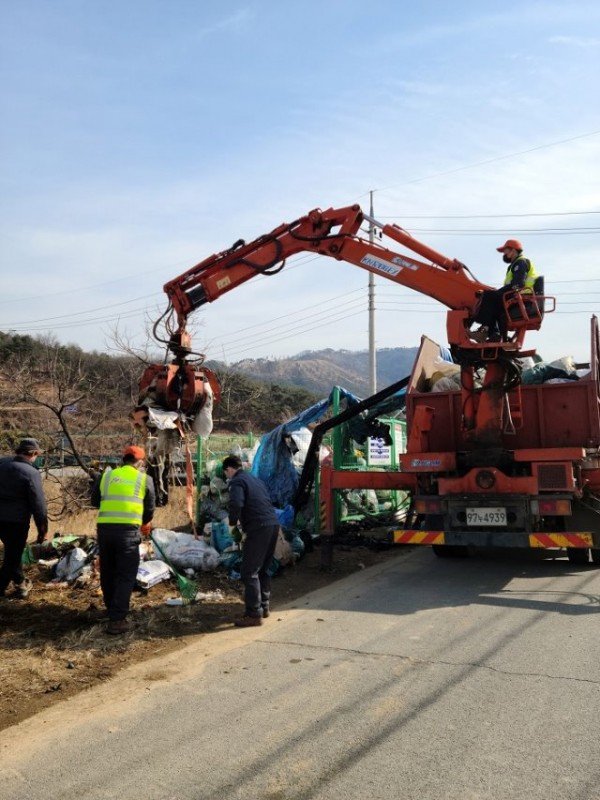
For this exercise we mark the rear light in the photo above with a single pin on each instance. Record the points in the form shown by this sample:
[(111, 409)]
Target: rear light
[(485, 479), (557, 508), (428, 505)]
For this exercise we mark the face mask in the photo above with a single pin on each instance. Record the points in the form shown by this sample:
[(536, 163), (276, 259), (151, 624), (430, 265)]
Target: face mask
[(507, 259)]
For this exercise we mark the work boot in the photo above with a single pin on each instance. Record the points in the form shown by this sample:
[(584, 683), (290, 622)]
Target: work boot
[(248, 622), (23, 589), (266, 611), (117, 626), (480, 335)]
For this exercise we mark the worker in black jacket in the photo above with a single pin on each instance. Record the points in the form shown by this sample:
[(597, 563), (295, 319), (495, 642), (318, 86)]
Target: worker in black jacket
[(250, 505), (21, 497)]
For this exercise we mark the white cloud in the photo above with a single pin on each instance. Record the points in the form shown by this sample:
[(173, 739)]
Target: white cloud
[(236, 22), (575, 41)]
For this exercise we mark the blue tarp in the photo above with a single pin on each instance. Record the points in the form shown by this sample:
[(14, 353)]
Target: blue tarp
[(273, 460)]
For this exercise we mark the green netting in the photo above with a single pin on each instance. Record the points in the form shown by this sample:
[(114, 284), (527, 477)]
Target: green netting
[(213, 449), (374, 455)]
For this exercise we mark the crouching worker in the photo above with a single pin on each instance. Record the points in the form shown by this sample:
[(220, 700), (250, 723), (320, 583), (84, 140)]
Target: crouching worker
[(125, 499), (250, 505), (21, 497)]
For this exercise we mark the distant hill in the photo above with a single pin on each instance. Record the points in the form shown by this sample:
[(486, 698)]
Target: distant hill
[(319, 370)]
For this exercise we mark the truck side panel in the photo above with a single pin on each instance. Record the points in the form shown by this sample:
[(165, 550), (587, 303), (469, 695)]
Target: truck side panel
[(556, 415)]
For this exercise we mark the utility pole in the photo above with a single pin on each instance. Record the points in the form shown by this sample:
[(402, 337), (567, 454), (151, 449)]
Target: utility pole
[(372, 351)]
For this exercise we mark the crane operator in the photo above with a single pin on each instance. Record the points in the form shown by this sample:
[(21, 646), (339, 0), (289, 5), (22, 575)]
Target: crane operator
[(520, 275)]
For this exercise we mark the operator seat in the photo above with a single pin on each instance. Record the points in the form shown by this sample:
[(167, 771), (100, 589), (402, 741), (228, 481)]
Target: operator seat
[(534, 308)]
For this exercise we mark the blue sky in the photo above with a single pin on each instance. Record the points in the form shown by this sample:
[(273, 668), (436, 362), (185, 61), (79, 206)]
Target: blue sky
[(140, 137)]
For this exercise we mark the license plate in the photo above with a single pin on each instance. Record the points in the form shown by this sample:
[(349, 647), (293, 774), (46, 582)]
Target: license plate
[(486, 516)]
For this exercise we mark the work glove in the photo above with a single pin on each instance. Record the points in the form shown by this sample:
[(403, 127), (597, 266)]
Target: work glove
[(146, 529)]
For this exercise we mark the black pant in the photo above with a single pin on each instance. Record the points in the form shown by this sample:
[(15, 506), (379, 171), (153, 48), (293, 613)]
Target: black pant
[(14, 538), (491, 311), (256, 556), (119, 562)]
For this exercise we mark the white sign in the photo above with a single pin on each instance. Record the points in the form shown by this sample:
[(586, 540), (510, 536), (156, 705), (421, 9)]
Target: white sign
[(379, 264), (378, 452)]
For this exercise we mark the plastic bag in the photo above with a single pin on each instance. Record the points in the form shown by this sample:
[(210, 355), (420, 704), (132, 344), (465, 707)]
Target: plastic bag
[(71, 565), (152, 572), (231, 562), (298, 546), (283, 550), (448, 384), (220, 537), (566, 362), (210, 559), (196, 554), (285, 516), (203, 422)]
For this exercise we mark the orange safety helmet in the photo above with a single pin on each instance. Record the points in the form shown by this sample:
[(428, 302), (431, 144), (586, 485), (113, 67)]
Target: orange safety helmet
[(137, 452), (514, 244)]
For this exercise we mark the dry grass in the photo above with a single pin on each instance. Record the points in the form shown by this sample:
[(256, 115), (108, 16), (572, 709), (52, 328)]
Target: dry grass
[(83, 522), (54, 645)]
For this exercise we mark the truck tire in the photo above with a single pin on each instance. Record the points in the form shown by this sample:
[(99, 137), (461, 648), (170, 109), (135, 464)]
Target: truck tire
[(450, 550), (435, 522), (578, 555)]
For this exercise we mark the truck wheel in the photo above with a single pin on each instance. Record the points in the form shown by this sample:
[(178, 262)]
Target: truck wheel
[(578, 555), (450, 550), (595, 555)]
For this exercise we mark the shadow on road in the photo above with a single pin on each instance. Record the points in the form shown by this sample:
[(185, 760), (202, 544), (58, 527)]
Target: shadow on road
[(484, 578)]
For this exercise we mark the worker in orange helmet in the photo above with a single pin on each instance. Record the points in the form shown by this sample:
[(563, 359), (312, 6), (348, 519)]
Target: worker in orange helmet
[(520, 275), (125, 498)]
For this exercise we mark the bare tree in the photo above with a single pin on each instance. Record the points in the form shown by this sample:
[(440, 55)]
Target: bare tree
[(64, 387)]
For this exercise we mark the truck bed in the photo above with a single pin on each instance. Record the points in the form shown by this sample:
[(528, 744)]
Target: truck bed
[(555, 414)]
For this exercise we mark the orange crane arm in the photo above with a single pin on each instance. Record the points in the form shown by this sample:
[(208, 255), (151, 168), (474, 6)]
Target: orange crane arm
[(332, 233), (335, 233)]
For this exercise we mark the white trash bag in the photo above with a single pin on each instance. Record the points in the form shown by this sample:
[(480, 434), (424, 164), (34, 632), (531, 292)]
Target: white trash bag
[(152, 572), (71, 565)]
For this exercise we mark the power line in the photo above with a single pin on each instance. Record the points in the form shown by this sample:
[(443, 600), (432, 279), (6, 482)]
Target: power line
[(79, 313), (414, 298), (490, 160), (68, 325), (308, 330), (299, 262), (457, 231), (296, 325), (81, 288), (489, 216), (232, 334)]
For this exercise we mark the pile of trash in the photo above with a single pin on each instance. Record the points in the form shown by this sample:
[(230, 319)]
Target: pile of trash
[(213, 502), (445, 376), (72, 560)]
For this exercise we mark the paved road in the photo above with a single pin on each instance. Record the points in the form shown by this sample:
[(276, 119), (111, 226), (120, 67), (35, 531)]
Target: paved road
[(418, 678)]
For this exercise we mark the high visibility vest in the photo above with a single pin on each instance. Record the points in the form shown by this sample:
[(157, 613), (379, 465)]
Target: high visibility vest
[(122, 493), (529, 278)]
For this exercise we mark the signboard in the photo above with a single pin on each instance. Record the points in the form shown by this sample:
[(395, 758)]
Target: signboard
[(378, 452)]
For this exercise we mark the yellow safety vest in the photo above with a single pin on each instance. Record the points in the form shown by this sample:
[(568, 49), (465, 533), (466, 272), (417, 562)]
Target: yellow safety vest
[(122, 493), (529, 279)]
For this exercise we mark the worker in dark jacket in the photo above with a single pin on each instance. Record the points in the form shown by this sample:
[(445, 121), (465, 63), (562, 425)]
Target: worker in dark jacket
[(520, 275), (250, 505), (125, 499), (21, 497)]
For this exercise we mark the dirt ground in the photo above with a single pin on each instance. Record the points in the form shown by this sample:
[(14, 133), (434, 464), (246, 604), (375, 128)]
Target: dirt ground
[(54, 644)]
